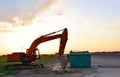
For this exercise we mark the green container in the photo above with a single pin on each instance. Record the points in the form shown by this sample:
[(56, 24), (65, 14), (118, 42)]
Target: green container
[(80, 59)]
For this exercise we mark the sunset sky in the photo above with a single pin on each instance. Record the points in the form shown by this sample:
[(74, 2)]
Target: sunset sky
[(93, 25)]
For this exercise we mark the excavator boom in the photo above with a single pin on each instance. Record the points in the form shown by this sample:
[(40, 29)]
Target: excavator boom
[(46, 38), (31, 52)]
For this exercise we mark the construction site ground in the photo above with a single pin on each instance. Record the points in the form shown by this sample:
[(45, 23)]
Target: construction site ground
[(101, 66)]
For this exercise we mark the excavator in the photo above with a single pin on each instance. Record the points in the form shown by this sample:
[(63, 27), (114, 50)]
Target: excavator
[(32, 54)]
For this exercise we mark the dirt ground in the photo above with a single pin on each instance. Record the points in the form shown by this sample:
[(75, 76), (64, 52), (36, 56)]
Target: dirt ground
[(102, 66)]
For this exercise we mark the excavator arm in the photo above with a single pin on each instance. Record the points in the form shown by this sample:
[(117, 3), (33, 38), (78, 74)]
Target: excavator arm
[(29, 55), (63, 39)]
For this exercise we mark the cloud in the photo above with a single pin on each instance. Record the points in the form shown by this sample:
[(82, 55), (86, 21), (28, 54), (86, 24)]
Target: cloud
[(24, 10), (6, 27), (58, 14), (47, 5), (21, 12), (18, 21)]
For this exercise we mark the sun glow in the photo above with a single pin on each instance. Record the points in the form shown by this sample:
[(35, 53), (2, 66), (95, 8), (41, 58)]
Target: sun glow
[(88, 28), (24, 36)]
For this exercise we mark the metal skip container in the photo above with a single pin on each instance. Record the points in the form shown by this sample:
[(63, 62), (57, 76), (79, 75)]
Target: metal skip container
[(81, 59)]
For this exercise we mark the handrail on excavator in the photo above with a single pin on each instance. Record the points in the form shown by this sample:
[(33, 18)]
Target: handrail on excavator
[(53, 32)]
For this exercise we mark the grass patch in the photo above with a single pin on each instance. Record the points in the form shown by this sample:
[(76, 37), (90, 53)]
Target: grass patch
[(48, 58), (2, 60), (7, 72)]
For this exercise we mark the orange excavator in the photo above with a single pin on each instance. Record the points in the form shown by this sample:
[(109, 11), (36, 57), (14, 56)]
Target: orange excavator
[(31, 53)]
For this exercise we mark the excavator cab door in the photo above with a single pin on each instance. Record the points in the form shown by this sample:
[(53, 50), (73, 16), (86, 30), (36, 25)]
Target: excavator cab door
[(37, 54)]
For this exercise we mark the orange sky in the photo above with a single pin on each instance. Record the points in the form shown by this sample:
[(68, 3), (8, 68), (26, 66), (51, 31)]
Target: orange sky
[(92, 25)]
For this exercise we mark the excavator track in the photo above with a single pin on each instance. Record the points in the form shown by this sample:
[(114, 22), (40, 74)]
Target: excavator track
[(23, 66)]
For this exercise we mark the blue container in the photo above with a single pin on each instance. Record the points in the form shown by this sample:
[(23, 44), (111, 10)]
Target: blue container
[(80, 59)]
